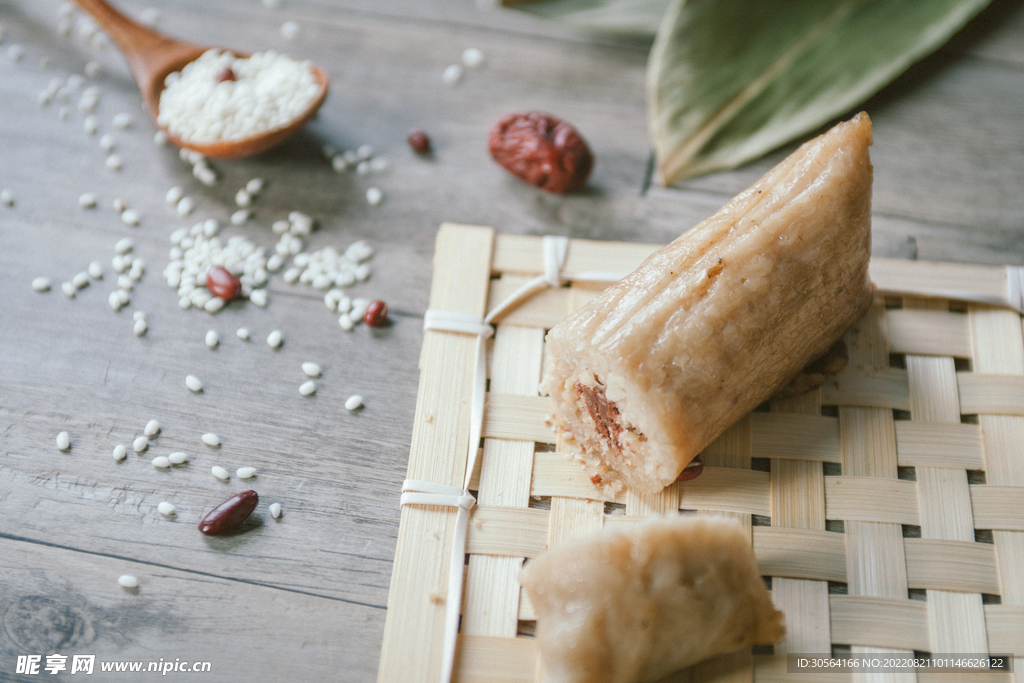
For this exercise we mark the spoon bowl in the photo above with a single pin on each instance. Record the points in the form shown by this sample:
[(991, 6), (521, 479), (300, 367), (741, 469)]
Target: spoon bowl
[(152, 56)]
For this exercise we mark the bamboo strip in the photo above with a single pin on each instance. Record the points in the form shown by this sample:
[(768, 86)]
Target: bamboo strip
[(983, 393), (492, 588), (916, 276), (871, 499), (956, 620), (961, 566), (731, 449), (937, 444), (795, 436), (522, 418), (511, 531), (798, 501), (555, 474), (414, 628), (1005, 628), (524, 255), (873, 622), (998, 507), (725, 489), (769, 669), (545, 309), (800, 553), (489, 659), (928, 332), (999, 350), (875, 564), (878, 388)]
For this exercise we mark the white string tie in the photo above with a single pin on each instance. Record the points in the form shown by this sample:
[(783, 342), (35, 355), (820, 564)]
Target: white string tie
[(417, 492)]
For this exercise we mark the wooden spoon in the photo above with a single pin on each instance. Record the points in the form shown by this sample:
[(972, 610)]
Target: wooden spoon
[(152, 56)]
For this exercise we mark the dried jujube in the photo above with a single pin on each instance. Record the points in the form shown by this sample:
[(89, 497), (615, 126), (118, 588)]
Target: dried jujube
[(541, 149)]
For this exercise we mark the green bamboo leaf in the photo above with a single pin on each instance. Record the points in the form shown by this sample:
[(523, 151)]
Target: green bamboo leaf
[(729, 80), (637, 18)]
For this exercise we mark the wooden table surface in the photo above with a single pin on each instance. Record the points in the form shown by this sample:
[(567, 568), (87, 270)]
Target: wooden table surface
[(304, 596)]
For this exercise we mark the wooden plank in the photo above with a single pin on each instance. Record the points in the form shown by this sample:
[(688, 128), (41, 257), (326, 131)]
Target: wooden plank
[(511, 531), (489, 659), (68, 602), (414, 629)]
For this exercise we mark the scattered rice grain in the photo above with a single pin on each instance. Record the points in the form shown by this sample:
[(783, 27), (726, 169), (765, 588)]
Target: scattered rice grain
[(140, 444), (259, 297), (211, 440), (127, 581), (166, 509), (242, 333), (307, 388), (212, 339), (220, 473), (193, 383), (275, 510), (120, 452), (152, 427), (96, 270), (124, 245), (245, 472), (63, 441), (161, 462), (41, 284), (113, 163), (130, 217), (174, 196), (374, 196), (354, 403), (311, 369), (69, 289), (177, 458), (275, 339)]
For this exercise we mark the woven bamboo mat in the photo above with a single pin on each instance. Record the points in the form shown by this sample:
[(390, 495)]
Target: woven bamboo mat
[(887, 508)]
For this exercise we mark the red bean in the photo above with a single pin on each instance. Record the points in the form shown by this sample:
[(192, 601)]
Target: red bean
[(691, 471), (223, 284), (230, 513), (419, 141), (376, 314)]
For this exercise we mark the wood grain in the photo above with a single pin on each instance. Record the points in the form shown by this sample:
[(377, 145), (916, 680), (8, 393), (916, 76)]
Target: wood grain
[(948, 158)]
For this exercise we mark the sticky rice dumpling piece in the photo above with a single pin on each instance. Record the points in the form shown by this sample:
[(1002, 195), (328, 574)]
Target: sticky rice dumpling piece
[(652, 370), (633, 605)]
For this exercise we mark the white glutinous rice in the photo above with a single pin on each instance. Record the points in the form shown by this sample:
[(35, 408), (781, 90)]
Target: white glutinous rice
[(254, 186), (90, 125), (123, 120), (472, 57), (245, 472), (141, 315), (307, 388), (87, 200), (311, 369), (114, 300), (63, 441), (374, 196), (130, 217), (69, 289), (41, 284), (193, 383), (243, 198), (177, 457), (96, 270), (174, 195), (119, 205), (211, 440), (107, 143), (241, 216), (124, 245), (160, 138), (290, 30), (93, 69), (140, 444), (354, 403), (259, 297), (152, 428), (119, 453), (345, 321), (113, 163), (274, 339), (213, 305), (223, 97), (275, 510), (140, 328), (127, 581), (242, 333), (220, 473), (452, 74), (80, 280), (161, 462), (212, 339), (7, 197), (185, 206), (166, 509)]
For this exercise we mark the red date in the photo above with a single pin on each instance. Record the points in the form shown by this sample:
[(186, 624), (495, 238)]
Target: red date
[(223, 284), (230, 513), (542, 150), (376, 314), (692, 471), (419, 141)]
